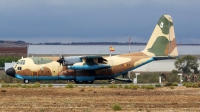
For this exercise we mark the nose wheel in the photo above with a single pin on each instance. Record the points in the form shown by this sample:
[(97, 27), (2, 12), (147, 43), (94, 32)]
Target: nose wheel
[(26, 81)]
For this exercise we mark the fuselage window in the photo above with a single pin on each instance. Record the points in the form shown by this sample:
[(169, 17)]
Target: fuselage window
[(19, 68)]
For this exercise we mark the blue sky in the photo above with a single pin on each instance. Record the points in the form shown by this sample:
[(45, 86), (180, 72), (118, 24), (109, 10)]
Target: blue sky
[(95, 20)]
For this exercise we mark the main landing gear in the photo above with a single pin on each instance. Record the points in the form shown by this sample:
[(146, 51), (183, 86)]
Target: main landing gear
[(84, 82), (112, 81)]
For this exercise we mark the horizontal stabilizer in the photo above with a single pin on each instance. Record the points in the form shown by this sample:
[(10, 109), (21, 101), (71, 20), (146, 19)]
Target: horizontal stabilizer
[(163, 57), (123, 79)]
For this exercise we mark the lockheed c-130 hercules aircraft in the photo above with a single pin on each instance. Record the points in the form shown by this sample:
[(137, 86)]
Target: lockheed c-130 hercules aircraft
[(86, 69)]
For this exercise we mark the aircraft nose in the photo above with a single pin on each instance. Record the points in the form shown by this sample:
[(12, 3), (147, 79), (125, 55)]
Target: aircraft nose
[(10, 72)]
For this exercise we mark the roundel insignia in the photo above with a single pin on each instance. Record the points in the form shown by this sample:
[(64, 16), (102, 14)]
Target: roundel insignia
[(161, 25)]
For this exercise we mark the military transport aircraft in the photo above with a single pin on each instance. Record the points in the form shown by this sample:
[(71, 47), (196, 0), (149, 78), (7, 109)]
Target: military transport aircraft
[(86, 69)]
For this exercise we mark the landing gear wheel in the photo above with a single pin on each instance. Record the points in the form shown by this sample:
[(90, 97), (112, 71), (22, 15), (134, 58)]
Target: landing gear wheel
[(26, 81), (79, 82), (89, 82), (112, 81)]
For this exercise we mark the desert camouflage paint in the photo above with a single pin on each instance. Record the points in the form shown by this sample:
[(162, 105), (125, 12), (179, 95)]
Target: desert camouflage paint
[(161, 45)]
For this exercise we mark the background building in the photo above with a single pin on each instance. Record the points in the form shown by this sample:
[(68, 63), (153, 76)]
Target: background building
[(77, 50), (71, 50)]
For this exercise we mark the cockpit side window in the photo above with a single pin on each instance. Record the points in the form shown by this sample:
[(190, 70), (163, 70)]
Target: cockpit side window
[(19, 68)]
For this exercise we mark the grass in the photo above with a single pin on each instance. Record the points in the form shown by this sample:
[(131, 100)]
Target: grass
[(131, 86), (175, 84), (134, 87), (147, 87), (43, 85), (35, 85), (172, 87), (168, 84), (102, 86), (69, 86), (188, 84), (50, 85), (195, 85), (116, 107), (5, 85), (120, 86), (42, 110), (112, 86), (157, 85)]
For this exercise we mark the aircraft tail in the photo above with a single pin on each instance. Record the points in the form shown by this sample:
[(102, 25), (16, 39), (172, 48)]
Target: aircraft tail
[(162, 41)]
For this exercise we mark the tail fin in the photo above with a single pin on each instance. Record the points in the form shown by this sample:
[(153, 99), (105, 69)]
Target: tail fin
[(162, 41)]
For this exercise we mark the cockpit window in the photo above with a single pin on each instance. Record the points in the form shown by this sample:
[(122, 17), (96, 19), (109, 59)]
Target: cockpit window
[(21, 62)]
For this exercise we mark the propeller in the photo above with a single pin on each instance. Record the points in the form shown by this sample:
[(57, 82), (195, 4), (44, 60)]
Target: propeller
[(61, 60)]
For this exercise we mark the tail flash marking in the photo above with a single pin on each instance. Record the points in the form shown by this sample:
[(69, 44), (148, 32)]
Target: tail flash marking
[(111, 48)]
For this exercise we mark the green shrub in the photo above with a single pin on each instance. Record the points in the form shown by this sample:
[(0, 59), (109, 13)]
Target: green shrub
[(112, 86), (148, 87), (116, 107), (19, 85), (36, 85), (168, 84), (43, 85), (172, 87), (198, 83), (50, 85), (175, 84), (131, 86), (24, 86), (13, 85), (120, 86), (188, 84), (126, 87), (28, 85), (134, 87), (75, 85), (195, 85), (69, 86), (5, 85), (102, 86), (157, 85), (42, 110)]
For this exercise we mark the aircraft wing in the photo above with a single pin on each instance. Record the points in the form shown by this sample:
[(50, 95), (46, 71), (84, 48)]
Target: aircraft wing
[(90, 63), (100, 58), (163, 57)]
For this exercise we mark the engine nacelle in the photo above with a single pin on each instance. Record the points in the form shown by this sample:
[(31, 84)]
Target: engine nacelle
[(72, 60)]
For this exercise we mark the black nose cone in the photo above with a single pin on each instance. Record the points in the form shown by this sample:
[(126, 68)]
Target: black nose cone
[(10, 72)]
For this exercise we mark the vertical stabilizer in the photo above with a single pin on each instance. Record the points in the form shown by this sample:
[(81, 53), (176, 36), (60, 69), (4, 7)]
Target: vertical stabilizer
[(162, 41)]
